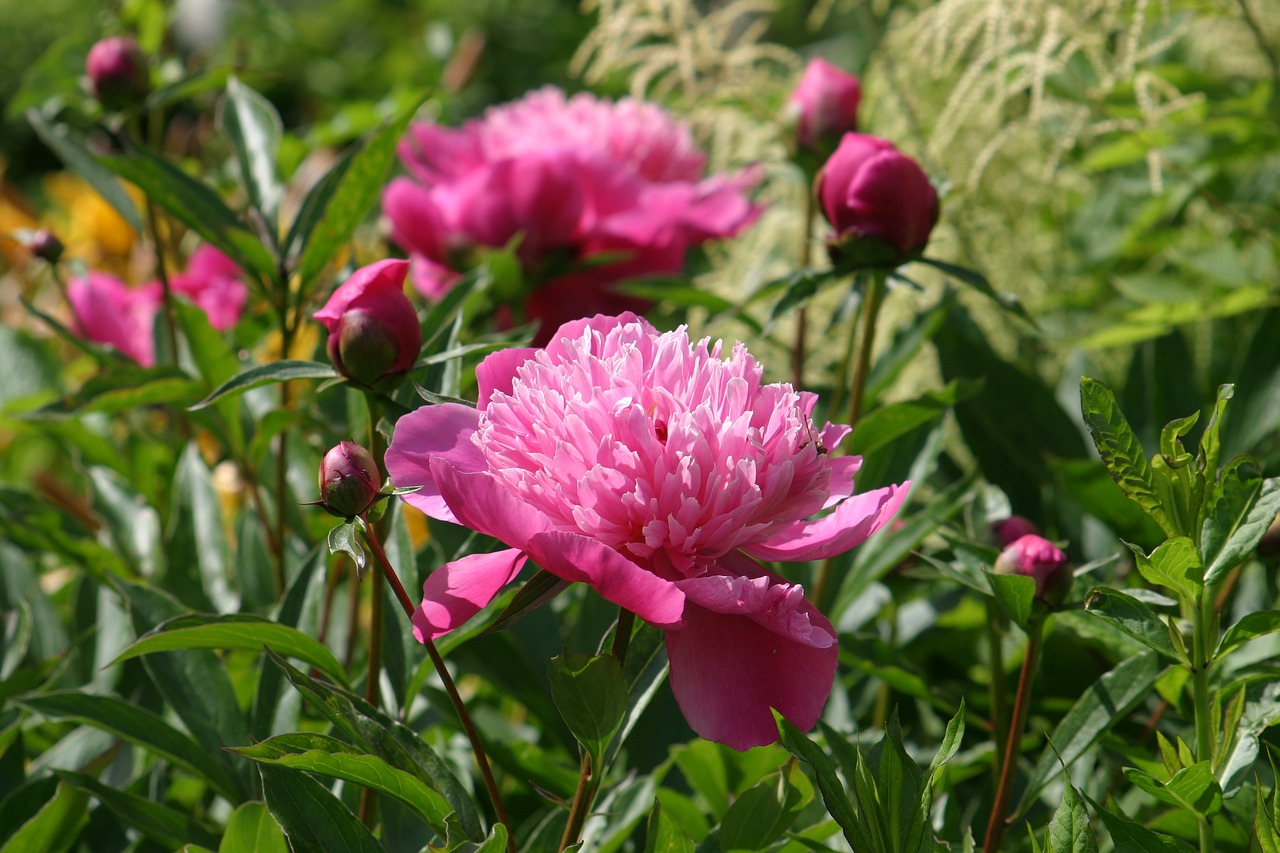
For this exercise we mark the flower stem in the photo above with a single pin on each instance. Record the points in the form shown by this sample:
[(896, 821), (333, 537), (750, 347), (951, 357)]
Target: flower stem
[(1021, 705), (862, 367), (999, 701), (802, 315), (1201, 645), (477, 749)]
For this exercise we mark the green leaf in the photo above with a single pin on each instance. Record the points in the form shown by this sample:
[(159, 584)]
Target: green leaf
[(136, 725), (252, 829), (887, 423), (1121, 451), (665, 835), (1017, 596), (1242, 506), (313, 206), (71, 148), (167, 826), (533, 593), (254, 128), (1250, 627), (1133, 617), (343, 539), (950, 742), (495, 842), (978, 282), (1264, 824), (328, 756), (263, 374), (1175, 564), (1130, 836), (356, 191), (378, 734), (797, 289), (313, 819), (1193, 788), (1069, 830), (757, 817), (195, 205), (833, 793), (1104, 704), (128, 386), (234, 632), (590, 691), (646, 670), (1211, 441), (56, 827)]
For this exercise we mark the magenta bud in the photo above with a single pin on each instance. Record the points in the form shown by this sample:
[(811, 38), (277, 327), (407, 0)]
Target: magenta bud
[(45, 245), (1011, 529), (118, 75), (878, 200), (1036, 557), (373, 329), (349, 480), (824, 104)]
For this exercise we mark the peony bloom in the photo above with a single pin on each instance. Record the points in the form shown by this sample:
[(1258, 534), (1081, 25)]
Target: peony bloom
[(373, 329), (578, 179), (117, 71), (878, 199), (213, 282), (108, 311), (1038, 558), (659, 471), (824, 104)]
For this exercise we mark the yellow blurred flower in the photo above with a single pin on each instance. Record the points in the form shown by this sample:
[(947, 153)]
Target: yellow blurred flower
[(14, 216), (89, 227)]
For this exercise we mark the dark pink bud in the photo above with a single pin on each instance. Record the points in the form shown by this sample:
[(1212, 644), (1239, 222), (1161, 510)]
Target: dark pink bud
[(1011, 529), (824, 104), (878, 200), (45, 245), (373, 329), (1036, 557), (117, 71), (349, 480)]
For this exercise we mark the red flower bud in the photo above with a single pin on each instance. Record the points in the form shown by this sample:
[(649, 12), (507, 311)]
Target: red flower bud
[(879, 201), (118, 75), (1011, 529), (45, 245), (824, 104), (349, 480), (1035, 557), (373, 329)]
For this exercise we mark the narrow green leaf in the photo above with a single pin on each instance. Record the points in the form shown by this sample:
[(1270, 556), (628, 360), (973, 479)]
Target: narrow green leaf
[(314, 205), (887, 423), (70, 147), (263, 374), (1130, 836), (833, 793), (950, 742), (1193, 788), (797, 289), (1242, 506), (354, 195), (1121, 451), (158, 822), (1104, 704), (234, 632), (590, 691), (313, 819), (1250, 627), (252, 829), (56, 827), (1007, 301), (330, 757), (136, 725), (1017, 596), (1263, 824), (1133, 617), (757, 817), (254, 128), (534, 593), (1069, 830), (1211, 441), (665, 835), (495, 842), (1175, 564), (128, 386), (646, 670)]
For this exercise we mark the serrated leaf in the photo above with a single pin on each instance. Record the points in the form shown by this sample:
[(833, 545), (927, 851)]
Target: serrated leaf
[(1133, 617), (1069, 830), (1241, 507), (263, 374), (1175, 564), (1121, 451), (330, 757), (590, 692), (313, 818), (234, 632), (254, 128)]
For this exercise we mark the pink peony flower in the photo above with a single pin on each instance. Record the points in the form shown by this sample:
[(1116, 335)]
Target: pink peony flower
[(373, 329), (825, 103), (659, 471), (576, 177), (876, 198), (1038, 558), (213, 282), (108, 311)]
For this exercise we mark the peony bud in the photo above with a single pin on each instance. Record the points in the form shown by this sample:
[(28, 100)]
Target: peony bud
[(45, 245), (349, 480), (879, 201), (824, 104), (1011, 529), (373, 329), (1036, 557), (118, 75)]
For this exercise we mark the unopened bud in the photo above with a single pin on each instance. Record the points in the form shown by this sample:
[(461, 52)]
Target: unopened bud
[(349, 480), (1011, 529), (45, 245), (1036, 557), (117, 70), (373, 329)]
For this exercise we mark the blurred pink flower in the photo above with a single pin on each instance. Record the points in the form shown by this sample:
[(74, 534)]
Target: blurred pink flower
[(577, 177), (108, 311), (659, 471), (117, 72), (824, 103), (213, 281)]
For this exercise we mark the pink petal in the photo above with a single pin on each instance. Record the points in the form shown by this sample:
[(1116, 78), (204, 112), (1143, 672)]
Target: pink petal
[(843, 469), (459, 590), (482, 503), (416, 222), (849, 525), (444, 430), (578, 558), (748, 645), (498, 370)]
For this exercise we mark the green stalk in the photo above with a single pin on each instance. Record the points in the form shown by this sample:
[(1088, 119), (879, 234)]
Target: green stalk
[(998, 686), (1021, 705), (1201, 649), (862, 367), (798, 352)]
